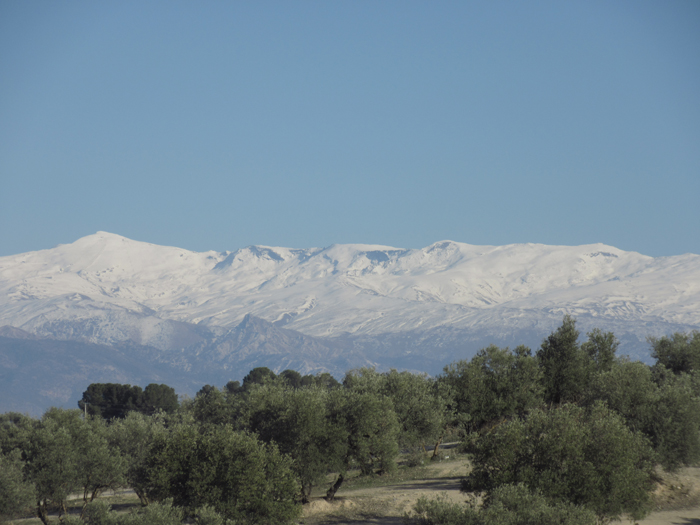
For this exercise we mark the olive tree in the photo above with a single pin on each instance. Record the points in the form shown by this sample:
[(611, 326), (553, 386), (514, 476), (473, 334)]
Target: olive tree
[(67, 454), (421, 411), (52, 466), (17, 495), (132, 437), (566, 367), (297, 420), (371, 431), (587, 457), (496, 384), (668, 413), (674, 428), (242, 478), (679, 352)]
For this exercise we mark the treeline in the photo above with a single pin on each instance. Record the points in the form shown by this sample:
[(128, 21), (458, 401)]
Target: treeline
[(570, 434)]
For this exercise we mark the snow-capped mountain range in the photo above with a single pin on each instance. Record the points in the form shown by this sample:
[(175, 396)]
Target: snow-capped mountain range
[(389, 304)]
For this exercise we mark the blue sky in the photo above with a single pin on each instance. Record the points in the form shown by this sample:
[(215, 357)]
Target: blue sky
[(217, 125)]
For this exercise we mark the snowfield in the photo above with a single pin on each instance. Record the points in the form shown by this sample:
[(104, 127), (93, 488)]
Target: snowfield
[(126, 289)]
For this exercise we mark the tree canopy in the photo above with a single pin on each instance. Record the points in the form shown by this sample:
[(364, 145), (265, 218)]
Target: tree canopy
[(570, 435), (114, 400), (588, 457)]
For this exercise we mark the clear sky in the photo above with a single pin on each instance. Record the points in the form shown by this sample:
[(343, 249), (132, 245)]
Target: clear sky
[(217, 125)]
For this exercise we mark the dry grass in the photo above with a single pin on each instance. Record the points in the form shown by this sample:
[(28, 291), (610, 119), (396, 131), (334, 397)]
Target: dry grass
[(385, 499), (120, 500), (678, 490)]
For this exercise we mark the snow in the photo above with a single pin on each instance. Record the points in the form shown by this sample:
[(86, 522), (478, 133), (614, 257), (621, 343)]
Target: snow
[(355, 288)]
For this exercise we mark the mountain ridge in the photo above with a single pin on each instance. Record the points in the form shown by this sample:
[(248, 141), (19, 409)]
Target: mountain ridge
[(345, 305), (218, 288)]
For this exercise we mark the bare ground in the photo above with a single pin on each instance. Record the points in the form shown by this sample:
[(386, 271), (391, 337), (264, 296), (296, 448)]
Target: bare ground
[(677, 498)]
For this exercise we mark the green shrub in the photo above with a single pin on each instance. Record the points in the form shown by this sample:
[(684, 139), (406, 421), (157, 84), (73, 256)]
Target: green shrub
[(586, 457), (506, 505)]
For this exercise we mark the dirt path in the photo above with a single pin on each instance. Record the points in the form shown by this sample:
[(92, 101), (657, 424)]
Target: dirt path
[(673, 517), (680, 490), (387, 504)]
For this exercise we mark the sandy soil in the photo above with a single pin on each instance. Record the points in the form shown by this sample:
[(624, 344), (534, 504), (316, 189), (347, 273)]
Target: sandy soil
[(388, 504)]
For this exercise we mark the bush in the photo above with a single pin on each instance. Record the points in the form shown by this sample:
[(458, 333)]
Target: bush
[(506, 505), (17, 496), (164, 513), (668, 413), (233, 472), (415, 458), (440, 511), (585, 457), (516, 505)]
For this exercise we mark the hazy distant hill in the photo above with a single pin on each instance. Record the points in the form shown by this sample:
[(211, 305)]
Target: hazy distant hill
[(218, 314)]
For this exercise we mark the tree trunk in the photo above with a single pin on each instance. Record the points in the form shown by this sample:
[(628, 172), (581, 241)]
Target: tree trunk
[(305, 494), (41, 512), (437, 446), (143, 498), (330, 495)]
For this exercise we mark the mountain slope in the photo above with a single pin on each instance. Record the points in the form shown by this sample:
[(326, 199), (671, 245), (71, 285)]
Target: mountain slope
[(356, 289), (216, 315)]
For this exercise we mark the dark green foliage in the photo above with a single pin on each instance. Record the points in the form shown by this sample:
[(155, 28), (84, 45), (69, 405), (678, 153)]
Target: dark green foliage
[(669, 413), (206, 390), (52, 464), (133, 437), (505, 505), (372, 429), (210, 406), (629, 390), (291, 377), (15, 430), (585, 457), (675, 426), (324, 380), (70, 454), (566, 367), (364, 380), (63, 454), (601, 348), (258, 376), (159, 397), (678, 353), (517, 505), (233, 387), (298, 420), (17, 496), (494, 385), (113, 400), (323, 430), (420, 411), (233, 472)]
